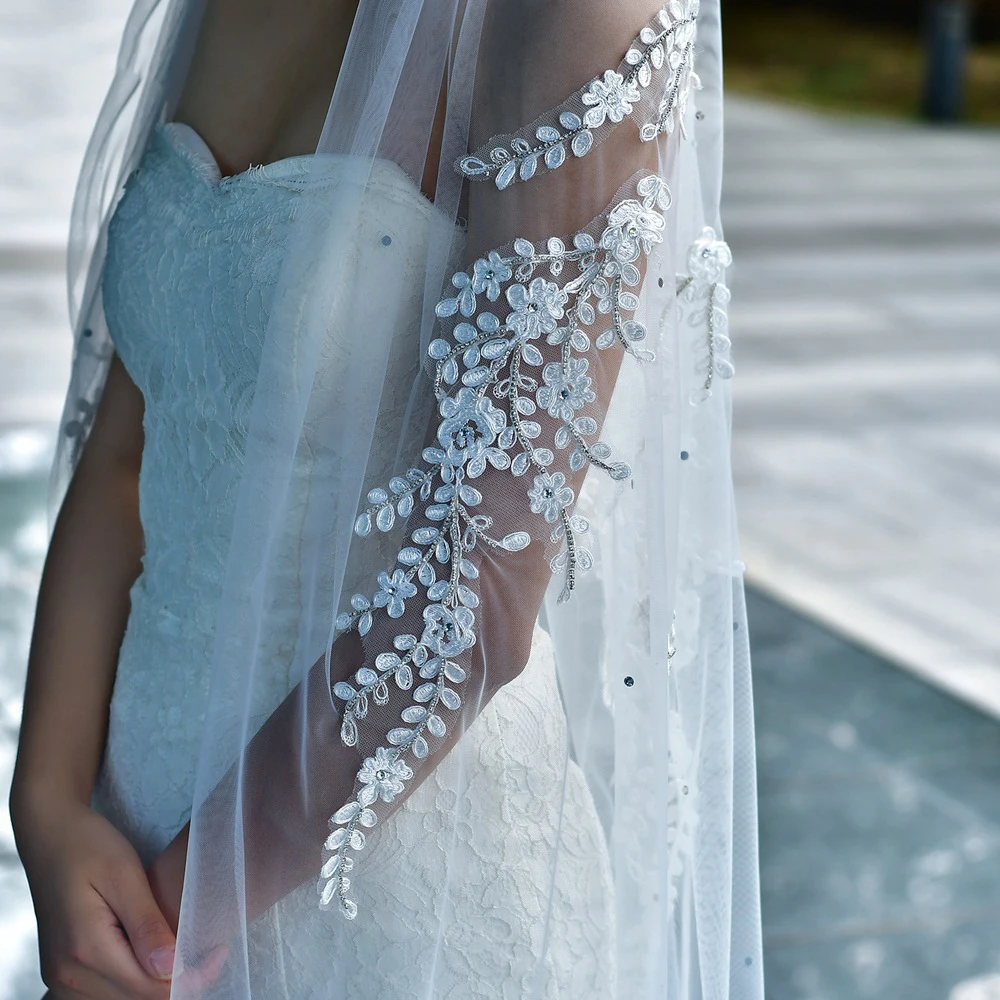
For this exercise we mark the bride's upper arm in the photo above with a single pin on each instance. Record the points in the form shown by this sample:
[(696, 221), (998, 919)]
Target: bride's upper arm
[(117, 437)]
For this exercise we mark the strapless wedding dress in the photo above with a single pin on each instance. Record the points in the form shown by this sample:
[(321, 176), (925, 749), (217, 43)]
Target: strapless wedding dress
[(192, 260)]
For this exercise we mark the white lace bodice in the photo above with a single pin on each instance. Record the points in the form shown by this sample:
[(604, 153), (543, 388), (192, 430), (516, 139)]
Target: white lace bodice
[(192, 260)]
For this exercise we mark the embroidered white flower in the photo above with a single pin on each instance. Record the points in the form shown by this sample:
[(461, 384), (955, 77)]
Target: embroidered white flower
[(550, 496), (612, 97), (633, 229), (393, 592), (447, 632), (470, 427), (488, 274), (708, 257), (382, 777), (567, 388), (537, 308)]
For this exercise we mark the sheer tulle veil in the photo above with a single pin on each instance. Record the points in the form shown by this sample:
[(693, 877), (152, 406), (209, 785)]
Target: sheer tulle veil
[(531, 448)]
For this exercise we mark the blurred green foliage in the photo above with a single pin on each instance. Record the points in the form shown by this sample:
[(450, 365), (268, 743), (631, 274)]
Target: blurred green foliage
[(867, 60), (904, 14)]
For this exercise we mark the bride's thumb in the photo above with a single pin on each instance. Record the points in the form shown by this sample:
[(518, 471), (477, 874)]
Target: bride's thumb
[(145, 925)]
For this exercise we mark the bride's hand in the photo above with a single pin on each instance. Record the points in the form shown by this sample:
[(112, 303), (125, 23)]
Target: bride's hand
[(166, 879), (101, 933)]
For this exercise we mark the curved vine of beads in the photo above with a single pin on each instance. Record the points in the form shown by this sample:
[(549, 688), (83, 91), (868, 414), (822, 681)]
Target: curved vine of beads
[(487, 356), (664, 46)]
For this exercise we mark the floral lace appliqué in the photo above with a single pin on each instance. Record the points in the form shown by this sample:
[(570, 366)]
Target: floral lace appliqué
[(483, 356), (662, 54), (703, 287)]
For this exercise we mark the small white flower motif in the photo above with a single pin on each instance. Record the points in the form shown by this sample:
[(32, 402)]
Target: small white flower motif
[(655, 191), (393, 592), (464, 302), (567, 388), (488, 274), (632, 230), (470, 426), (447, 632), (708, 257), (537, 308), (550, 496), (610, 98), (382, 777)]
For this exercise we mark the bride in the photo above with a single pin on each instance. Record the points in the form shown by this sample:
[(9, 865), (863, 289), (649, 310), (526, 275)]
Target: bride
[(391, 640)]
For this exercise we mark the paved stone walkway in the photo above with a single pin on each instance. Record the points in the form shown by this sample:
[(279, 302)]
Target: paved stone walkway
[(866, 329), (879, 823)]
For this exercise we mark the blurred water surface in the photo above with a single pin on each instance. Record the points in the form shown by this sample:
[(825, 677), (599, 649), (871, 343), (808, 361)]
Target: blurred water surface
[(56, 61)]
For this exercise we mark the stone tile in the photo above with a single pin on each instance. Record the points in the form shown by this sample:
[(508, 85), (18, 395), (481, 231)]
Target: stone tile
[(866, 417), (879, 822)]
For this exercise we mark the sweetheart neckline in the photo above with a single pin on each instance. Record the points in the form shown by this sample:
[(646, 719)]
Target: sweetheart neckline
[(294, 171), (191, 141)]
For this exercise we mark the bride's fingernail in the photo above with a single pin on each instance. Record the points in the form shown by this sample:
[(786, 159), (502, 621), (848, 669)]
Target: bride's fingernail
[(162, 962)]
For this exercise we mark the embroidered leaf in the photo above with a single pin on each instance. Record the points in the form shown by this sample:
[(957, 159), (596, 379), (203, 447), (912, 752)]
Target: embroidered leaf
[(582, 143), (454, 672), (336, 839), (555, 157), (385, 518), (524, 248), (348, 732), (520, 464), (516, 541), (473, 165), (450, 699), (425, 692), (347, 812), (505, 175)]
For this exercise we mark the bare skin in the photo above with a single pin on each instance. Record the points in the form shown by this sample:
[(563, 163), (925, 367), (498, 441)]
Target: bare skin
[(258, 90)]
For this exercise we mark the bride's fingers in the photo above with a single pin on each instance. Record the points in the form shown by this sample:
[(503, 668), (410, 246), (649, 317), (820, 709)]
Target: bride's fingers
[(131, 899), (102, 965), (195, 981), (79, 981), (97, 962)]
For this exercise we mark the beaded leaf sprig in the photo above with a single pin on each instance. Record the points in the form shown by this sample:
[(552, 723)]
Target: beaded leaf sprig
[(485, 355), (662, 53), (704, 286)]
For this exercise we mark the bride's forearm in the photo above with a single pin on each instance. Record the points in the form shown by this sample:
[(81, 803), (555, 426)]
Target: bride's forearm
[(82, 609)]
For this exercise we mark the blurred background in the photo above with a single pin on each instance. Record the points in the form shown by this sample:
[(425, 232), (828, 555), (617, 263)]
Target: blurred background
[(863, 206)]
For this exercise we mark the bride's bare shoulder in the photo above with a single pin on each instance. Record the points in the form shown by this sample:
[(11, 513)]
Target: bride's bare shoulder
[(262, 74)]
